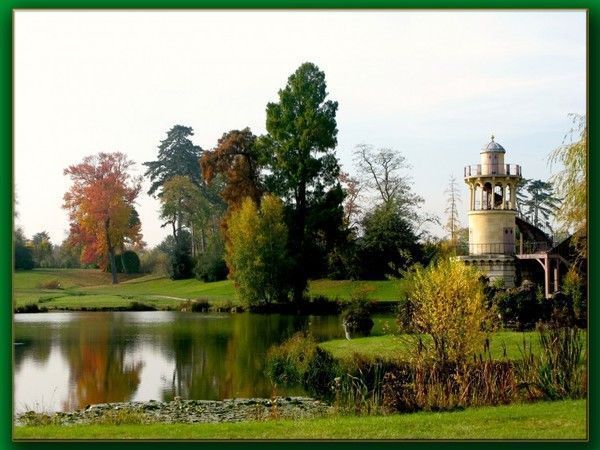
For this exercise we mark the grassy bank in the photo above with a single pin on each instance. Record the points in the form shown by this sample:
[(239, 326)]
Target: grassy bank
[(88, 288), (544, 420), (502, 343)]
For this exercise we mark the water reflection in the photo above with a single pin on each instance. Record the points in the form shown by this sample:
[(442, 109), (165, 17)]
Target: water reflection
[(99, 357), (96, 355)]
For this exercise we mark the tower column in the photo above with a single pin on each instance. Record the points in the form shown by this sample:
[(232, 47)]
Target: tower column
[(513, 197), (482, 197)]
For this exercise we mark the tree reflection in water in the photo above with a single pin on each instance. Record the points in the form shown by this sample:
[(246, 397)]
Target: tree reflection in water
[(98, 370), (115, 357)]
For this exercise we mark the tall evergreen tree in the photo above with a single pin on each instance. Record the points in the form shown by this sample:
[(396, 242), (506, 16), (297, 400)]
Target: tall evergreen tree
[(177, 155), (539, 203), (299, 151)]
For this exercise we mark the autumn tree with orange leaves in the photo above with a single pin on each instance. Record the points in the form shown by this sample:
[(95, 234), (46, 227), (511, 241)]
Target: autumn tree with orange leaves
[(100, 206)]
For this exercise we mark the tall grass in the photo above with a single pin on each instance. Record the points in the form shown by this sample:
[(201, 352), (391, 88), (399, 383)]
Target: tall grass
[(359, 390), (557, 370)]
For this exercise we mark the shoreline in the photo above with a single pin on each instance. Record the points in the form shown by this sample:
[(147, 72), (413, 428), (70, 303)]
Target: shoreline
[(331, 307), (182, 411)]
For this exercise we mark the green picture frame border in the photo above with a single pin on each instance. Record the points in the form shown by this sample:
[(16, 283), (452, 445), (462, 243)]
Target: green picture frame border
[(6, 201)]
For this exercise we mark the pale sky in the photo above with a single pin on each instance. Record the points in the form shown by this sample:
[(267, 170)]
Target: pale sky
[(433, 85)]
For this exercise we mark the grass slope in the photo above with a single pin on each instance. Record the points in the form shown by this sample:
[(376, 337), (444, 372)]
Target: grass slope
[(544, 420), (92, 288)]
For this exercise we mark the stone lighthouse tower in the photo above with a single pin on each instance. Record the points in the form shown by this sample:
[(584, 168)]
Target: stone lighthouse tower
[(492, 210)]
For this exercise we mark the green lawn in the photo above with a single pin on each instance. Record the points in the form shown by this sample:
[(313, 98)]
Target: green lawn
[(398, 346), (92, 288), (544, 420)]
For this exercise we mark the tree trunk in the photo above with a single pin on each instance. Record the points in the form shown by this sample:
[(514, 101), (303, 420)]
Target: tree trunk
[(111, 253), (300, 278)]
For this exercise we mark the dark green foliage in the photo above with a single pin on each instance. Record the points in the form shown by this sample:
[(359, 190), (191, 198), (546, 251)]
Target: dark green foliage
[(210, 269), (298, 361), (562, 313), (200, 305), (388, 246), (210, 265), (316, 305), (325, 232), (520, 307), (177, 155), (23, 258), (181, 264), (298, 151), (138, 306), (320, 373), (539, 204), (23, 254), (343, 262), (356, 318), (30, 308), (128, 262)]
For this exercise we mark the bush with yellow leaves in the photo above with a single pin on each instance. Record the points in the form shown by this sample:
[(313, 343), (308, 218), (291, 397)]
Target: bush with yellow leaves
[(448, 304)]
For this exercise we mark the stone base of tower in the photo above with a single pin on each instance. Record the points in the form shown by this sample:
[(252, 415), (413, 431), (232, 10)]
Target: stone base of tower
[(494, 266)]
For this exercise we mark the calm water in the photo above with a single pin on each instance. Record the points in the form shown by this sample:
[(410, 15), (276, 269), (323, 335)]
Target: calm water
[(66, 361)]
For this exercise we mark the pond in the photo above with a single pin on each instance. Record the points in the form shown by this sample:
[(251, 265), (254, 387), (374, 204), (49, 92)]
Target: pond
[(68, 360)]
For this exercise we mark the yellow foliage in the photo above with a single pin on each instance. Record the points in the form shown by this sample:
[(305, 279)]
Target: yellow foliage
[(448, 304)]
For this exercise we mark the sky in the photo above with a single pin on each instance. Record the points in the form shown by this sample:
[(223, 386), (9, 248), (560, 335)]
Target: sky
[(433, 85)]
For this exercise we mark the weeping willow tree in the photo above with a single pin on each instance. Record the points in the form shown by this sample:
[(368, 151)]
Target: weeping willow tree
[(571, 183)]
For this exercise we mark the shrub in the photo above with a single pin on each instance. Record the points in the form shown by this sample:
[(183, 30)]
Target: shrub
[(199, 305), (50, 284), (210, 269), (288, 363), (448, 303), (30, 308), (562, 313), (298, 360), (356, 317), (180, 264), (519, 307), (138, 306)]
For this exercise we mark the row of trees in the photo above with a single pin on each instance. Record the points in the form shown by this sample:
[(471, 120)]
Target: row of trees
[(272, 211), (281, 194)]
